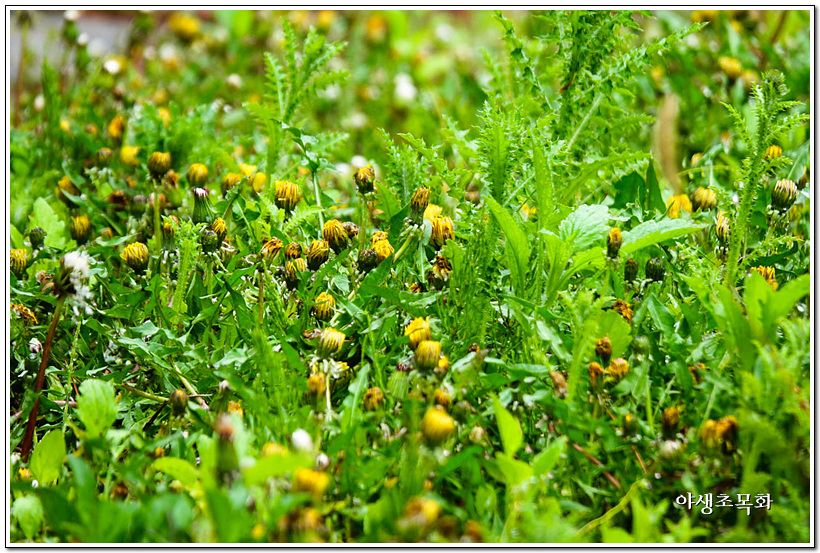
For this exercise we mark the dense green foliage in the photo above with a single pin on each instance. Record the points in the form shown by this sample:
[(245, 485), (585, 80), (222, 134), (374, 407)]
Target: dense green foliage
[(613, 291)]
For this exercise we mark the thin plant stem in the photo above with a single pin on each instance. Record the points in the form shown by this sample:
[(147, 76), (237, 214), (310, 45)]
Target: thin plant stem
[(28, 440), (317, 193)]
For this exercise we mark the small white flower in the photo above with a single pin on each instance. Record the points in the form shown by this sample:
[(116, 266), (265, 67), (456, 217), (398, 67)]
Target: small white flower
[(405, 89), (39, 102), (322, 462), (34, 346), (444, 32), (302, 442), (234, 81), (112, 66)]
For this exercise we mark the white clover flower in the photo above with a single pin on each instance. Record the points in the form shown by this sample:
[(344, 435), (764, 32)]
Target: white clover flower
[(302, 442)]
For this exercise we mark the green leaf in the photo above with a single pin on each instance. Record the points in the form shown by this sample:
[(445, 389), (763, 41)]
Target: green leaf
[(613, 325), (178, 469), (274, 466), (96, 406), (585, 226), (508, 426), (654, 200), (547, 459), (654, 232), (785, 299), (43, 216), (29, 514), (514, 471), (544, 189), (517, 247), (48, 457)]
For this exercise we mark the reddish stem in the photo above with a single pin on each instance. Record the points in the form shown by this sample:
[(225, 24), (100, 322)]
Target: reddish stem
[(28, 440)]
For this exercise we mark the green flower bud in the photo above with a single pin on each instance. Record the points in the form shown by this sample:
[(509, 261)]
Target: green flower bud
[(203, 212)]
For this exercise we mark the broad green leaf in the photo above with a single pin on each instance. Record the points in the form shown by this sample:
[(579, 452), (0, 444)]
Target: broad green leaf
[(178, 469), (654, 200), (28, 511), (517, 248), (508, 426), (43, 216), (617, 329), (48, 457), (785, 299), (96, 406), (274, 466), (654, 232), (585, 226), (663, 319), (514, 471), (547, 459)]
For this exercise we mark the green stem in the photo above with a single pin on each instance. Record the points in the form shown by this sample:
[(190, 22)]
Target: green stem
[(401, 250), (28, 440), (317, 193), (146, 395), (157, 229)]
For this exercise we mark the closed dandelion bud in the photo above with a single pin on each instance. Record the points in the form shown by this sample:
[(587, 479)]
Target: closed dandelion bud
[(107, 233), (272, 448), (655, 270), (443, 366), (773, 152), (136, 256), (630, 270), (311, 481), (784, 194), (287, 195), (670, 419), (271, 249), (365, 177), (619, 368), (427, 355), (416, 288), (730, 67), (623, 309), (437, 426), (209, 241), (27, 315), (613, 242), (293, 250), (367, 261), (377, 237), (418, 331), (696, 371), (373, 399), (442, 231), (159, 163), (37, 237), (258, 181), (293, 269), (383, 250), (596, 371), (704, 199), (722, 228), (221, 230), (603, 349), (727, 431), (203, 213), (227, 461), (18, 260), (677, 203), (443, 398), (419, 203), (236, 407), (330, 343), (439, 275), (229, 181), (65, 186), (80, 228), (432, 211), (128, 155), (630, 424), (352, 230), (179, 403), (317, 384), (116, 128), (709, 436), (324, 306), (104, 157), (335, 234), (317, 254), (197, 175)]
